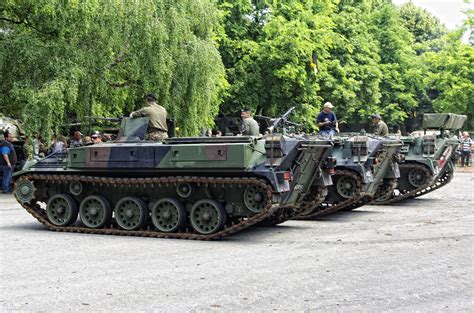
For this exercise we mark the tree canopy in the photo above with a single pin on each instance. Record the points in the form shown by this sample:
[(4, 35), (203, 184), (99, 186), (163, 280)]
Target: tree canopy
[(60, 58)]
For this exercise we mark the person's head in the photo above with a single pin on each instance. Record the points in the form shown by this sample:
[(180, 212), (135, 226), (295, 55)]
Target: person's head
[(375, 118), (327, 107), (218, 133), (8, 136), (77, 135), (245, 113), (87, 140), (465, 134), (150, 98), (209, 133), (96, 137)]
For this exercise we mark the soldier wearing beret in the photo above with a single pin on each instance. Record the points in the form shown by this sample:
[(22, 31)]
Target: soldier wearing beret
[(380, 128), (249, 125), (157, 128)]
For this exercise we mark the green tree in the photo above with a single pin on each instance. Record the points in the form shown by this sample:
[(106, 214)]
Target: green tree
[(402, 73), (267, 49), (450, 81), (424, 26), (58, 57)]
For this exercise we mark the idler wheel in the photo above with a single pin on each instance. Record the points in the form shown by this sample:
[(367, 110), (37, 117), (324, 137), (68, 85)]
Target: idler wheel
[(208, 216), (417, 177), (95, 212), (62, 210), (168, 215), (346, 186), (255, 198), (130, 213)]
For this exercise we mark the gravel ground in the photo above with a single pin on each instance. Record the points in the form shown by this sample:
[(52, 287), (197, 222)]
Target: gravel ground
[(413, 256)]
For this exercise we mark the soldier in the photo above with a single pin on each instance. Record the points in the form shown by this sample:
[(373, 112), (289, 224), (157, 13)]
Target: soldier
[(8, 161), (157, 128), (327, 120), (380, 128), (250, 126)]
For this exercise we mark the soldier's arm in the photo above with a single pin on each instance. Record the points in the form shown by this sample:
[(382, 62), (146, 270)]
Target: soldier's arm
[(245, 127), (139, 113)]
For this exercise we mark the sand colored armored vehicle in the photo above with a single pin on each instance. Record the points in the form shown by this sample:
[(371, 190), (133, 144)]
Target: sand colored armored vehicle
[(188, 188)]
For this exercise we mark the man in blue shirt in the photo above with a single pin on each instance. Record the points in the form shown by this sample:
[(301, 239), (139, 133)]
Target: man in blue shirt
[(327, 121), (8, 161)]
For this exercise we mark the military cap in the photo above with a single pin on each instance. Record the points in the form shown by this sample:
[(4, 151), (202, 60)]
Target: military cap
[(151, 95), (246, 110), (376, 115)]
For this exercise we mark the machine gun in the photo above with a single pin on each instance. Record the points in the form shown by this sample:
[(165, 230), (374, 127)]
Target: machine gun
[(111, 119), (282, 120)]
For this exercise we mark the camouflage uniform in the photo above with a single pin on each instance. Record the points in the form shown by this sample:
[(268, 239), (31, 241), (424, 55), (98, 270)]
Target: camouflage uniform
[(381, 129), (250, 127), (156, 136), (157, 128)]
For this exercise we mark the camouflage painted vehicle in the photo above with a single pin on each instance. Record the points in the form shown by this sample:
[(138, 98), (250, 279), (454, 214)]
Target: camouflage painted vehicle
[(365, 168), (428, 159), (187, 188)]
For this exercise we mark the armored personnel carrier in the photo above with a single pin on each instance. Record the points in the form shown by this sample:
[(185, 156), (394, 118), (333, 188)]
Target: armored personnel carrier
[(188, 188), (365, 168), (428, 158)]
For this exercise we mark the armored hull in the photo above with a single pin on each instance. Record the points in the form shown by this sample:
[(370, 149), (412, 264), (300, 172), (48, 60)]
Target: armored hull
[(365, 168), (429, 158), (189, 188)]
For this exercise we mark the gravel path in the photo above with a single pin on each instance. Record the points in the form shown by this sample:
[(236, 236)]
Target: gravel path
[(414, 256)]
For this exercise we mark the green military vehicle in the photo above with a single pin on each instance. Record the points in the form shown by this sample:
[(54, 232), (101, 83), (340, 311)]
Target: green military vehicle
[(428, 158), (365, 168), (188, 188)]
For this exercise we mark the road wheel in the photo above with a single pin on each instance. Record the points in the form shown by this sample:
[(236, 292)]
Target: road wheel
[(95, 212), (208, 216), (61, 210), (168, 215), (130, 213)]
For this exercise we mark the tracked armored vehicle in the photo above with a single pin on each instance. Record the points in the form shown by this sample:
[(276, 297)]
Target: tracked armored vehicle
[(428, 158), (187, 188), (365, 168)]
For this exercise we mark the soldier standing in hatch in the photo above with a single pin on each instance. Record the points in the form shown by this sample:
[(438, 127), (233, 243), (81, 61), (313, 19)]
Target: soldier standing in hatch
[(250, 126), (8, 161), (157, 128), (380, 128)]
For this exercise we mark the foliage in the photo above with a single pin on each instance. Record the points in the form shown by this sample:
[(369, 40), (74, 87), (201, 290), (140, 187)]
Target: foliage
[(425, 27), (366, 62), (200, 56), (451, 78), (58, 57)]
